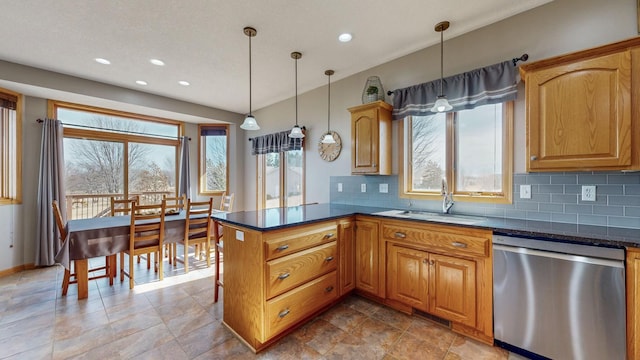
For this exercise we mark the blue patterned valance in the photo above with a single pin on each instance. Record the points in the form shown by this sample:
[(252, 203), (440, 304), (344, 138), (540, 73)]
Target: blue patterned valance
[(488, 85), (275, 143)]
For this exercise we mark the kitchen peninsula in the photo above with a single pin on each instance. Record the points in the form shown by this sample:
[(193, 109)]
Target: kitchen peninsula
[(284, 266)]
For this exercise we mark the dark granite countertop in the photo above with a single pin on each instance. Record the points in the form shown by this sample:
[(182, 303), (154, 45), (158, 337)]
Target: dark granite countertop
[(272, 219)]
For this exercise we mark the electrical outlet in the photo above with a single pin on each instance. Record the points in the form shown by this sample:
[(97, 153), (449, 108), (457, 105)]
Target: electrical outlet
[(383, 188), (339, 187), (363, 187), (588, 193), (525, 191)]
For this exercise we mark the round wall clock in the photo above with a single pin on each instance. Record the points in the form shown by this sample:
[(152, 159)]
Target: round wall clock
[(330, 152)]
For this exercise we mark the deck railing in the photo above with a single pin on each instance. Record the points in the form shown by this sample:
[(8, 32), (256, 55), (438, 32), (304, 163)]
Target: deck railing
[(84, 206)]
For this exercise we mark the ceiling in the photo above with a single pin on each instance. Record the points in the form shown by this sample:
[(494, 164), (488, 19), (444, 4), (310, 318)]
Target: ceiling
[(202, 41)]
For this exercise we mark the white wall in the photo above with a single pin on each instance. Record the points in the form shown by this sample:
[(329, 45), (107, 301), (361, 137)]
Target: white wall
[(556, 28)]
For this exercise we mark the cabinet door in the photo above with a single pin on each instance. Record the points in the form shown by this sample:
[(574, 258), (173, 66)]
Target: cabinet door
[(346, 239), (364, 139), (368, 257), (633, 303), (579, 115), (407, 276), (452, 288)]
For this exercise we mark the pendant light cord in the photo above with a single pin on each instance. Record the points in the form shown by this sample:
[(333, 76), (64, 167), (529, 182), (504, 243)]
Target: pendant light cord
[(441, 62), (296, 91), (329, 105), (250, 75)]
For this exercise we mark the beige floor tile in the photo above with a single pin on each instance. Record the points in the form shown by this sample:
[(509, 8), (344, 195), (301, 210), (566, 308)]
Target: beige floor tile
[(393, 317), (320, 335), (203, 339), (375, 331), (470, 349), (168, 351), (344, 317)]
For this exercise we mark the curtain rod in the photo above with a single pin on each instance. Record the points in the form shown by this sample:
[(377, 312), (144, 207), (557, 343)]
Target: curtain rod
[(302, 127), (524, 57), (115, 130)]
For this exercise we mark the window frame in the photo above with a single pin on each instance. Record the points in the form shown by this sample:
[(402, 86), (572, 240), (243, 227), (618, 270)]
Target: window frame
[(405, 176), (17, 157), (261, 183), (202, 175), (126, 139)]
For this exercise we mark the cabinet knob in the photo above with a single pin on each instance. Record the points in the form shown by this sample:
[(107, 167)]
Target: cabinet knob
[(432, 262), (282, 247), (329, 258), (533, 157), (400, 235), (283, 276), (283, 313), (459, 244), (424, 261), (328, 289)]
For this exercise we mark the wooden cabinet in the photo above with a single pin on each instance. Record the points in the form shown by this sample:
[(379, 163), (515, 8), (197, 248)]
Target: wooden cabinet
[(276, 280), (347, 245), (371, 138), (369, 272), (582, 109), (633, 303), (443, 270)]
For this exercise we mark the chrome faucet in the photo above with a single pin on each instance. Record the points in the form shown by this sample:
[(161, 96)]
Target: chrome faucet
[(447, 200)]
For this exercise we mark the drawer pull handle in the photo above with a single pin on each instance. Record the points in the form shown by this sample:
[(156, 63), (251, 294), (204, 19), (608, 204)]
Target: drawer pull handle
[(329, 258), (283, 313), (329, 235), (282, 247), (400, 235), (459, 244), (283, 276), (328, 289)]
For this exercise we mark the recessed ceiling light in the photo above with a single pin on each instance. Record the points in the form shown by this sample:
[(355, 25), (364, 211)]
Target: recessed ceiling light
[(345, 37), (157, 62), (183, 83), (141, 82), (103, 61)]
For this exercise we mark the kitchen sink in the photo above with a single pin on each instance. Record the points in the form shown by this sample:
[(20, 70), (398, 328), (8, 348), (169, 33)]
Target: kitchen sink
[(432, 216)]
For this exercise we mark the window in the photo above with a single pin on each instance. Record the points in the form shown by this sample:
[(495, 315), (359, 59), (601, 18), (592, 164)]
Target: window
[(282, 175), (471, 149), (214, 159), (111, 153), (10, 148)]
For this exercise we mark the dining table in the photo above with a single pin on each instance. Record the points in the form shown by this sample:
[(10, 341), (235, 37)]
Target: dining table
[(106, 236)]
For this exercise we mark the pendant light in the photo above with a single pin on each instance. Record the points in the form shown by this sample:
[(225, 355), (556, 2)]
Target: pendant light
[(441, 104), (296, 132), (250, 122), (328, 138)]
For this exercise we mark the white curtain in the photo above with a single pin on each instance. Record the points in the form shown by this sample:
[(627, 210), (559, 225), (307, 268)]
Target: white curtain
[(50, 187)]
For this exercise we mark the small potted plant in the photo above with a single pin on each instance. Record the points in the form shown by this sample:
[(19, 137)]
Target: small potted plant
[(372, 93)]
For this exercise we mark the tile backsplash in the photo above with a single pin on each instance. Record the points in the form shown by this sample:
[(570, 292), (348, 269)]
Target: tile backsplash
[(554, 197)]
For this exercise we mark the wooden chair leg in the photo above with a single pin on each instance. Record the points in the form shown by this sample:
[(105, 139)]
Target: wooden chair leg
[(216, 278), (161, 268), (148, 261), (65, 281), (207, 253), (186, 256), (131, 271), (122, 266)]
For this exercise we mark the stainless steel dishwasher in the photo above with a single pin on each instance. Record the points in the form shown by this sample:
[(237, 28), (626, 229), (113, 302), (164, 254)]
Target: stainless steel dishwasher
[(559, 300)]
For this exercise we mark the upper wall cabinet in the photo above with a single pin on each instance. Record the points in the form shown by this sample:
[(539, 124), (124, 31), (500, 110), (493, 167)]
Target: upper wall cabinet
[(371, 139), (582, 109)]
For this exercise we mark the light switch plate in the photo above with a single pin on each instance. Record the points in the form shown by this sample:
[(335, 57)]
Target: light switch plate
[(339, 187), (525, 191), (588, 193), (383, 188), (363, 187)]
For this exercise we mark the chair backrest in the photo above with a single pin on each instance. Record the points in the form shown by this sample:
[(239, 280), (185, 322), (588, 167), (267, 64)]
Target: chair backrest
[(176, 202), (226, 203), (59, 222), (198, 220), (123, 206), (147, 226)]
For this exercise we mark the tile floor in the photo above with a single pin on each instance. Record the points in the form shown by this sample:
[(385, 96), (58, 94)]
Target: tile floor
[(177, 319)]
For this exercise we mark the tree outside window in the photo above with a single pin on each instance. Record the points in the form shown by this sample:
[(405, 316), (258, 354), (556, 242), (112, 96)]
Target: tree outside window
[(214, 159)]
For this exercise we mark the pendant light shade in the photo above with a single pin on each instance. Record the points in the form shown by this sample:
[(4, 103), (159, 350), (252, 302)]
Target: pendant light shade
[(442, 104), (296, 132), (328, 138), (250, 122)]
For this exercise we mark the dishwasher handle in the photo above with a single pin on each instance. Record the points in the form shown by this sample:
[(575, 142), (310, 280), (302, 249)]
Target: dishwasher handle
[(560, 256)]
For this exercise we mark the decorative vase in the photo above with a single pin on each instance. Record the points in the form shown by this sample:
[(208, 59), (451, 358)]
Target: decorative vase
[(373, 90)]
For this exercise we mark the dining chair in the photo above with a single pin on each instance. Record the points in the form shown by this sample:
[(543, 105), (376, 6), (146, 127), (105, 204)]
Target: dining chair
[(146, 235), (69, 276), (226, 204), (197, 230), (176, 203), (123, 207)]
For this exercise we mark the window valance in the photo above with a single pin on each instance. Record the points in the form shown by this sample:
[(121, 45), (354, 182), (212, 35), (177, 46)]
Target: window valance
[(8, 101), (488, 85), (275, 143), (213, 130)]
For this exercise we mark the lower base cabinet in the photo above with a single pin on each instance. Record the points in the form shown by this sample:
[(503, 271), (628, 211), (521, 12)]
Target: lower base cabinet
[(452, 289), (633, 303)]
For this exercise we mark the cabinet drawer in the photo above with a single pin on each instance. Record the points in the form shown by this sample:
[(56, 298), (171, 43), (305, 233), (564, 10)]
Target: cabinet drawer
[(287, 241), (287, 272), (293, 306), (471, 243)]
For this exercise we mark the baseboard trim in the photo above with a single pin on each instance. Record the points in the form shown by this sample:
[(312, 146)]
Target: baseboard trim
[(17, 269)]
